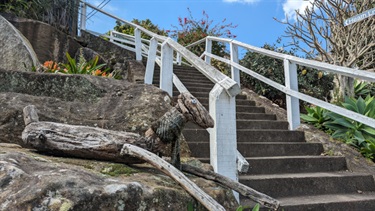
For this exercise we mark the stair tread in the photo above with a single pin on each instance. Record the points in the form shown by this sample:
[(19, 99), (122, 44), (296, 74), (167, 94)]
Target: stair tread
[(295, 157), (302, 175), (266, 130), (327, 198)]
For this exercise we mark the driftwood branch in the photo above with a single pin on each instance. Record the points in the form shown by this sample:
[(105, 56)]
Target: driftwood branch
[(236, 186), (82, 141), (174, 173)]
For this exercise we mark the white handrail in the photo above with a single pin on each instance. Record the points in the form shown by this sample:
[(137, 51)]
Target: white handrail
[(354, 73)]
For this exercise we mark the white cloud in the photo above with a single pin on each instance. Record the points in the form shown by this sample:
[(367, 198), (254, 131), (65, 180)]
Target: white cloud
[(241, 1), (290, 7)]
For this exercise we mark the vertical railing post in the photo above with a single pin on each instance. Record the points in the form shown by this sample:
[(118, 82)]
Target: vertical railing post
[(234, 58), (151, 61), (178, 58), (207, 59), (138, 44), (223, 136), (166, 69), (292, 103), (111, 36), (83, 16)]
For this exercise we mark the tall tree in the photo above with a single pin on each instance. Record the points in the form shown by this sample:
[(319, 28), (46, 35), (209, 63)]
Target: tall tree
[(147, 24), (321, 28)]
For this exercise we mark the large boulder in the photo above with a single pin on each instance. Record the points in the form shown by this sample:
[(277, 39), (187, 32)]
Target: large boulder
[(30, 181), (16, 51), (79, 100)]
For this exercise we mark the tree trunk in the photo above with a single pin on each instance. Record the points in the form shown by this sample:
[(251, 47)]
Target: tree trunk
[(344, 87)]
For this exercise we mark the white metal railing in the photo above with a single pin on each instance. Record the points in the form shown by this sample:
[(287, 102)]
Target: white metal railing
[(291, 83), (222, 107)]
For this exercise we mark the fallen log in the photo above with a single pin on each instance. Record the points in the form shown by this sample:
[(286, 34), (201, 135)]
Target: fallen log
[(254, 195), (82, 141), (168, 169)]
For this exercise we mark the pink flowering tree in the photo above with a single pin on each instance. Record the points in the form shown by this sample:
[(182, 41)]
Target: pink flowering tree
[(190, 30)]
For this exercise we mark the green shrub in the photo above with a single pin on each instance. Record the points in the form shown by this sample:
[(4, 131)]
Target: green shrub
[(316, 116), (363, 89), (311, 82), (81, 67), (356, 134), (351, 131), (255, 208)]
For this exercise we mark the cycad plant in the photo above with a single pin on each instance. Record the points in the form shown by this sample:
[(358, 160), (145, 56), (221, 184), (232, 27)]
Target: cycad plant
[(315, 116), (351, 131)]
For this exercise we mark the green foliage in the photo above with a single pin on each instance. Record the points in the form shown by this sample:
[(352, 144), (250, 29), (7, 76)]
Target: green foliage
[(16, 7), (190, 206), (255, 208), (356, 134), (118, 169), (147, 24), (363, 89), (58, 13), (352, 132), (81, 67), (311, 82), (316, 116)]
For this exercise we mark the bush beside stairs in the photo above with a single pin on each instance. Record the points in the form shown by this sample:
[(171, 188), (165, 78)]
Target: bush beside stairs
[(282, 164)]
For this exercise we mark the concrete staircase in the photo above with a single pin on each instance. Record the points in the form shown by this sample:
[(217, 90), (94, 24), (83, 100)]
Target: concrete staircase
[(282, 164)]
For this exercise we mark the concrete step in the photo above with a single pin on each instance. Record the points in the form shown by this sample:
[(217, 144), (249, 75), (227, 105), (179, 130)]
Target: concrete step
[(354, 201), (178, 71), (204, 101), (246, 135), (189, 79), (305, 184), (268, 149), (202, 150), (250, 109), (195, 89), (295, 164), (326, 202), (206, 95), (255, 116), (252, 124), (262, 124)]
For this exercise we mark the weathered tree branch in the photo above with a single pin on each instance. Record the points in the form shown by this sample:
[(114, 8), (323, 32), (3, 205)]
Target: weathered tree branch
[(171, 171), (236, 186)]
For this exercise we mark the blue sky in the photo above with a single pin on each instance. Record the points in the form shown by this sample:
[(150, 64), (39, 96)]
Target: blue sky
[(255, 18)]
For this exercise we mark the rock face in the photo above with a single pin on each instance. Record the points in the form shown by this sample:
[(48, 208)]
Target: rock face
[(30, 181), (78, 100), (48, 42), (16, 51)]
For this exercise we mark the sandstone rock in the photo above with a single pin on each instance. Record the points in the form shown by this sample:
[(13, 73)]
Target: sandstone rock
[(29, 181), (16, 51), (48, 42), (79, 100)]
